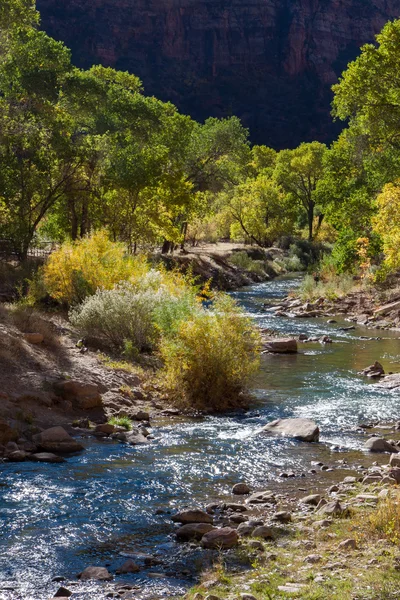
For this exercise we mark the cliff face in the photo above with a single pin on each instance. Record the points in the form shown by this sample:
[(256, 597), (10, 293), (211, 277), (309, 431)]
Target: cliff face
[(271, 62)]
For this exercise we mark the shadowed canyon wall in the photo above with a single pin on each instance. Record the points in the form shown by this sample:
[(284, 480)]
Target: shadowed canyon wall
[(271, 62)]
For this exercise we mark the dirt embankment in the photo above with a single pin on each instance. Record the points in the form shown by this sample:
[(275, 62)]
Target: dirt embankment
[(49, 379)]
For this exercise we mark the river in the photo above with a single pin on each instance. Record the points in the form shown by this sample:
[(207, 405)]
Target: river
[(100, 506)]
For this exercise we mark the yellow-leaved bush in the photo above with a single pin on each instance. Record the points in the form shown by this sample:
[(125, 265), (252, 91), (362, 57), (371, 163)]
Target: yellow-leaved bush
[(209, 360), (78, 269), (387, 224)]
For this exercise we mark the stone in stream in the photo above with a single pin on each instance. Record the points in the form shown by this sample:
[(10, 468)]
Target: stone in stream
[(47, 457), (240, 489), (63, 592), (220, 539), (193, 515), (376, 444), (129, 566), (265, 497), (135, 437), (373, 371), (192, 531), (56, 439), (17, 456), (304, 430), (281, 346), (99, 573)]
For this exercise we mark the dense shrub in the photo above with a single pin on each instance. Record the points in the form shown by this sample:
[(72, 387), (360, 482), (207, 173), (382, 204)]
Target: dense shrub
[(210, 359), (243, 261), (76, 270), (132, 317)]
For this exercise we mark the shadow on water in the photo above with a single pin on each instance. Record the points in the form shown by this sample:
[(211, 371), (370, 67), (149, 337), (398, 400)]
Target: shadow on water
[(99, 507)]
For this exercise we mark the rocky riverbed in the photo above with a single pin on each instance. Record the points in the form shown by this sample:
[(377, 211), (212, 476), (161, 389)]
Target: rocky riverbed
[(113, 502)]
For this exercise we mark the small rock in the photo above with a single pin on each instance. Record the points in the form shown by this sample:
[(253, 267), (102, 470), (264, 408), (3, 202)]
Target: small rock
[(63, 593), (265, 497), (282, 516), (241, 489), (313, 499), (333, 489), (265, 532), (394, 460), (46, 457), (16, 456), (313, 559), (349, 544), (247, 597), (56, 439), (193, 531), (373, 371), (193, 515), (332, 508), (300, 429), (129, 566), (105, 428), (376, 444), (99, 573), (281, 346), (220, 539)]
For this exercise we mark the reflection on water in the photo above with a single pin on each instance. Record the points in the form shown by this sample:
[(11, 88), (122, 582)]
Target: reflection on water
[(58, 519)]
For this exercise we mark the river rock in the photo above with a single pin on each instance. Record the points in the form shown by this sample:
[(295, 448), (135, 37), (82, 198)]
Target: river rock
[(192, 531), (99, 573), (245, 529), (46, 457), (265, 497), (331, 509), (394, 473), (349, 544), (373, 371), (241, 489), (16, 456), (265, 532), (376, 444), (394, 460), (135, 437), (56, 439), (106, 428), (220, 539), (283, 516), (63, 592), (313, 499), (85, 395), (193, 515), (281, 345), (304, 430), (129, 566)]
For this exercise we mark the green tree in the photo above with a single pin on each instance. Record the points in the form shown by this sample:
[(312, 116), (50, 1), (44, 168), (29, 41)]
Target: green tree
[(261, 211), (298, 173)]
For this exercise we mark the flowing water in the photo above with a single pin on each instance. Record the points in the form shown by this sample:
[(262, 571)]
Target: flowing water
[(102, 505)]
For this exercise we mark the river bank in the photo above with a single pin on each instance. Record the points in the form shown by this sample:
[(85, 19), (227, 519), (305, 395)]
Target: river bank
[(123, 496)]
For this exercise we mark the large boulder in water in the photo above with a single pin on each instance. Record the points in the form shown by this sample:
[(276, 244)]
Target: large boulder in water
[(56, 439), (304, 430), (281, 346)]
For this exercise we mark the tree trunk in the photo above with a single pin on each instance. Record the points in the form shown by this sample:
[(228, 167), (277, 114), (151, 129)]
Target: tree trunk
[(166, 247), (310, 220)]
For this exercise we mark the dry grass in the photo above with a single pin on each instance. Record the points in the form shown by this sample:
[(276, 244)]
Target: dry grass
[(29, 320)]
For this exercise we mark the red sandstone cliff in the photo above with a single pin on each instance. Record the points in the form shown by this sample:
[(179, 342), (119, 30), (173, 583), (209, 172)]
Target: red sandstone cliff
[(272, 62)]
